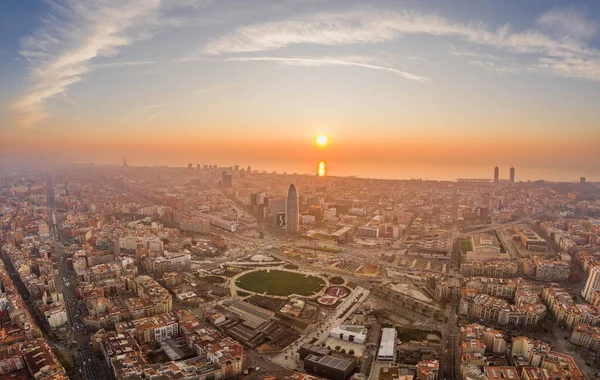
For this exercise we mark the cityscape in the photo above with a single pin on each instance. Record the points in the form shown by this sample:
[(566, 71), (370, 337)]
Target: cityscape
[(299, 190), (224, 272)]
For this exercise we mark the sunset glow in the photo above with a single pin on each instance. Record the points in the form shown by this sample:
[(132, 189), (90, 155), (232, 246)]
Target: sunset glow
[(322, 140), (321, 170), (401, 88)]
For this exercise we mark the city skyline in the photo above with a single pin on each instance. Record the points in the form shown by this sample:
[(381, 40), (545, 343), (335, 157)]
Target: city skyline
[(403, 89)]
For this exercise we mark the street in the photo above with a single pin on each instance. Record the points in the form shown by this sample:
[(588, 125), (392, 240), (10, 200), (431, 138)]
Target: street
[(90, 366)]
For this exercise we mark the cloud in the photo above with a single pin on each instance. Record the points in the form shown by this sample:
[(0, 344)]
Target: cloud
[(110, 65), (567, 23), (148, 109), (73, 34), (468, 53), (318, 62), (495, 66), (153, 115), (374, 26)]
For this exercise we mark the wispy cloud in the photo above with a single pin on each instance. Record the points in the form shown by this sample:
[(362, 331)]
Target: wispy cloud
[(72, 36), (472, 54), (146, 110), (567, 23), (495, 66), (153, 115), (558, 52), (110, 65), (317, 62)]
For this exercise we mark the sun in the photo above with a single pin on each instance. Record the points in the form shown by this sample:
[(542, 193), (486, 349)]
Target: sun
[(322, 140)]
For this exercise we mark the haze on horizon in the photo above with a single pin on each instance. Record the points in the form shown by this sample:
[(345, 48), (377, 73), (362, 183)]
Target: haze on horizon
[(427, 89)]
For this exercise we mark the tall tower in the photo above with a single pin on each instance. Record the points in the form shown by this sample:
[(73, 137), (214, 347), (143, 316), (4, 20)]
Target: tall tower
[(496, 174), (512, 175), (592, 283), (292, 216), (124, 161)]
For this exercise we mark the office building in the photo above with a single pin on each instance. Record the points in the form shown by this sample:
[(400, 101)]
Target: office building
[(512, 175), (582, 180), (292, 215), (486, 243), (592, 283), (387, 345), (366, 231), (226, 180), (530, 240), (496, 174)]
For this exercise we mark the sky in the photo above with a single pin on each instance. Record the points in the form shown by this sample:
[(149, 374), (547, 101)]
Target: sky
[(404, 89)]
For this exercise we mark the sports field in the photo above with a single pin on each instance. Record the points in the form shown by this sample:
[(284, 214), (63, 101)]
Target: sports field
[(280, 283)]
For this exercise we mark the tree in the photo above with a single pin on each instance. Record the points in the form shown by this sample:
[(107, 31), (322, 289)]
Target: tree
[(329, 347), (351, 351), (343, 351), (337, 348)]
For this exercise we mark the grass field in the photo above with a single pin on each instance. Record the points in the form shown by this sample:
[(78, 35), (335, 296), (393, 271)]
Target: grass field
[(466, 245), (280, 283), (336, 280)]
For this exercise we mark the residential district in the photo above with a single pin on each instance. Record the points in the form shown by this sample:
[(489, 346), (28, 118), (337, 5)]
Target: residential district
[(207, 272)]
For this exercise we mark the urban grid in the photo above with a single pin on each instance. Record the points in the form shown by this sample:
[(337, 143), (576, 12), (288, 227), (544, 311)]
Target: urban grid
[(211, 272), (299, 189)]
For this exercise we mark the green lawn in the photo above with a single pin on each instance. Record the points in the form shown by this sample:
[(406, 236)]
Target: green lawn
[(280, 283), (466, 245)]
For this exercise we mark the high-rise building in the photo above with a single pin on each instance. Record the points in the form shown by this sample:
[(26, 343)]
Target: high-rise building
[(249, 169), (124, 161), (292, 215), (226, 180), (512, 175), (496, 174), (592, 283), (190, 166), (582, 180)]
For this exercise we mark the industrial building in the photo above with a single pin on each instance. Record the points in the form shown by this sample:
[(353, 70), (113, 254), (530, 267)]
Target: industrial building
[(329, 367)]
